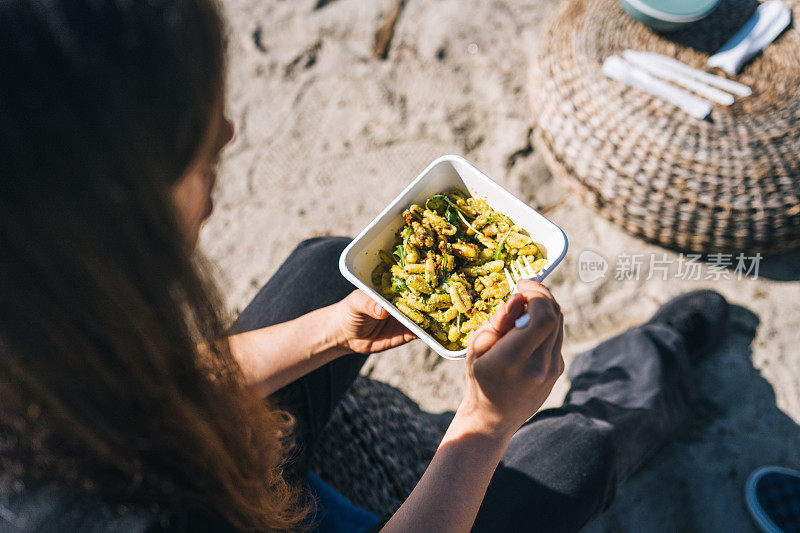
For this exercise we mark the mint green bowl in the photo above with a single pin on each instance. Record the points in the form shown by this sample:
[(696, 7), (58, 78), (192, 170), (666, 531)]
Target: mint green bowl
[(669, 15)]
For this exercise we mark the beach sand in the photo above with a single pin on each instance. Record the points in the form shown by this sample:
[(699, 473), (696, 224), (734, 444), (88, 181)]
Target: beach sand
[(327, 135)]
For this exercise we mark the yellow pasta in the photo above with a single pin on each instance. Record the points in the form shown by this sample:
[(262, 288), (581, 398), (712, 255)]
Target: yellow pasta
[(414, 268), (418, 285), (444, 317), (440, 301), (445, 271), (460, 297)]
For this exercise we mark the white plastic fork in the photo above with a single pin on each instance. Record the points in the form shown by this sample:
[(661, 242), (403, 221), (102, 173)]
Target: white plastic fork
[(520, 271)]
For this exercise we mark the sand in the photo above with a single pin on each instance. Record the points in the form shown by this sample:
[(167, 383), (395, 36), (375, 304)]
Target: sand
[(327, 136)]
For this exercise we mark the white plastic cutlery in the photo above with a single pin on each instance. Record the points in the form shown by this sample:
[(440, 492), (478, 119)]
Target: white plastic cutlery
[(769, 21), (666, 73), (520, 270), (650, 72), (620, 70), (734, 87)]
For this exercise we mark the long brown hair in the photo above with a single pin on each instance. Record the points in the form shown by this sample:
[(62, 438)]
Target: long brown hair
[(100, 306)]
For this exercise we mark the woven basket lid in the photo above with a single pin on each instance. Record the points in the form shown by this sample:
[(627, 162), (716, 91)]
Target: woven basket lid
[(730, 183)]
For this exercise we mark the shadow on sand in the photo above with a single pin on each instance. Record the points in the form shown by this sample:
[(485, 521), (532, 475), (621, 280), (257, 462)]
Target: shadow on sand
[(783, 267), (696, 482)]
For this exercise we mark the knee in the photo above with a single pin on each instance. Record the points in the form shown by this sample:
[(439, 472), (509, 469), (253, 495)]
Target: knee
[(586, 470)]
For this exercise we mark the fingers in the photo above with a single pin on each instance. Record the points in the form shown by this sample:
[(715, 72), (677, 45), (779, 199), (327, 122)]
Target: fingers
[(530, 289), (559, 359), (520, 343), (396, 334), (500, 323), (503, 319), (546, 361), (359, 302)]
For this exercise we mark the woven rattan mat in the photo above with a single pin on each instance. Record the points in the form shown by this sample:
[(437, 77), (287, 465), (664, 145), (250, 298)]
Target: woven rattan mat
[(376, 446), (729, 183)]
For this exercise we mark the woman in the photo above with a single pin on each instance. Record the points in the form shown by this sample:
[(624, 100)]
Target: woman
[(125, 403)]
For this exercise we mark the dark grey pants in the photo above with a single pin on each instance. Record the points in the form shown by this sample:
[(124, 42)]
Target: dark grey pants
[(564, 465)]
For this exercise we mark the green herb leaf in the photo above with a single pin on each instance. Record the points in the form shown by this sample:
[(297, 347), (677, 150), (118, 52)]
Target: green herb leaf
[(500, 246), (399, 285), (448, 213), (435, 202), (463, 219), (400, 253), (451, 217)]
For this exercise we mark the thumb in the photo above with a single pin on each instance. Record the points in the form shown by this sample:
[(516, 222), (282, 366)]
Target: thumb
[(359, 302), (498, 325)]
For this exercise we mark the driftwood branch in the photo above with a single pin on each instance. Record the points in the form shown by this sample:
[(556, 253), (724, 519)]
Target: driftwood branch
[(383, 37)]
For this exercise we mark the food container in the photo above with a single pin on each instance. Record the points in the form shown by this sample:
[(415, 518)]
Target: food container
[(361, 256), (669, 15)]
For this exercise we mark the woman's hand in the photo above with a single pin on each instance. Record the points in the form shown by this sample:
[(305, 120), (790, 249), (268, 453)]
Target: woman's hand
[(366, 327), (274, 356), (511, 369), (513, 363)]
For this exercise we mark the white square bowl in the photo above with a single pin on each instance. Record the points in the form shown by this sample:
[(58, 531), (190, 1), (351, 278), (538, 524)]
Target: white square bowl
[(361, 256)]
